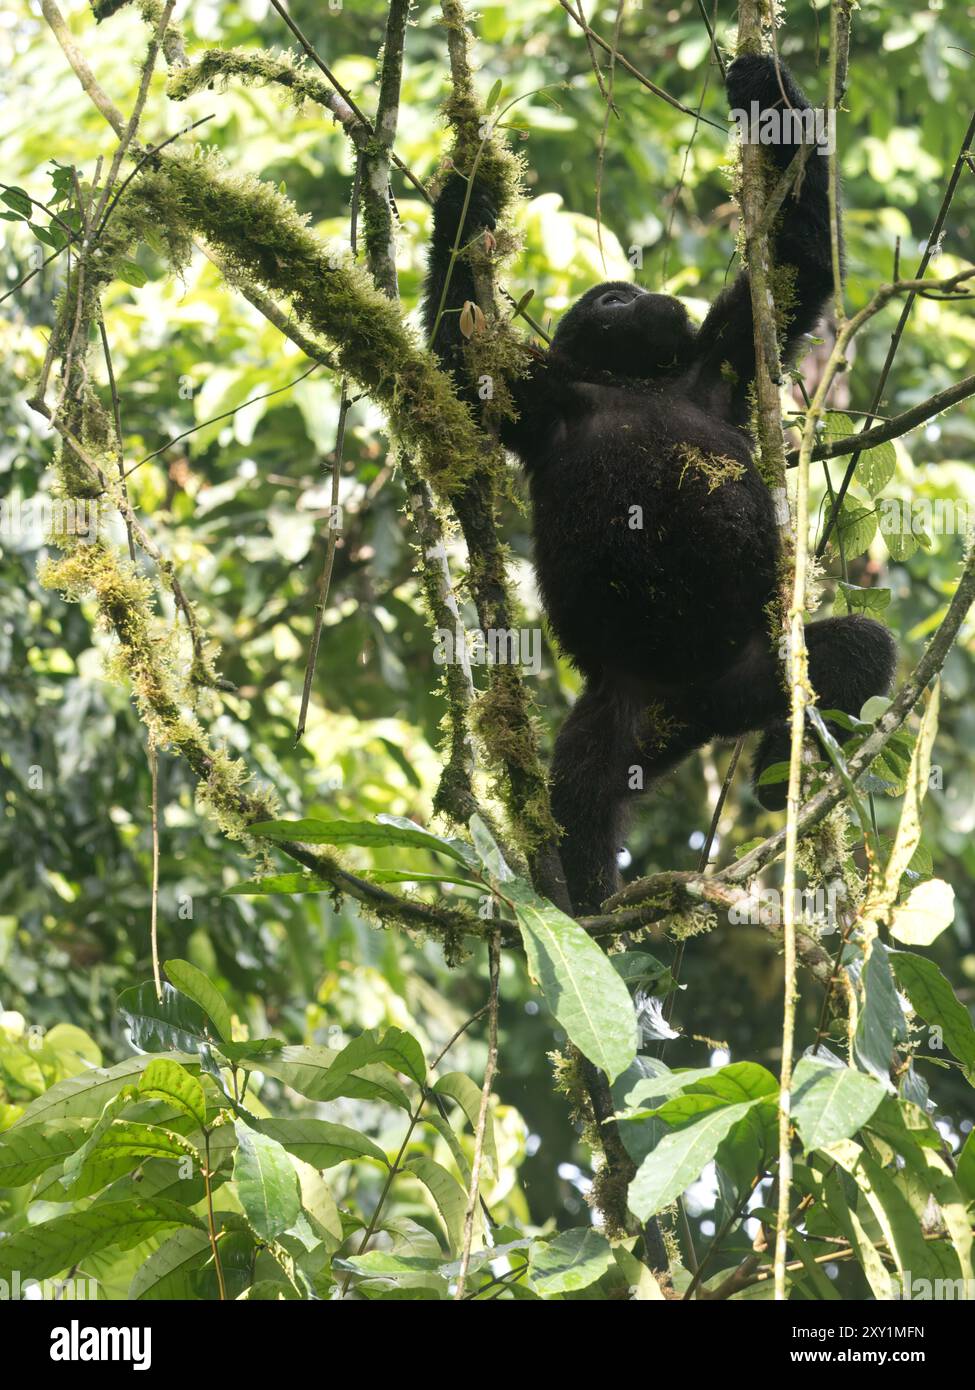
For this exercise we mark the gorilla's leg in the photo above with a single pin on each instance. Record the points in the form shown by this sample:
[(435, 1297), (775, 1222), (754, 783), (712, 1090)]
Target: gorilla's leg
[(850, 659), (608, 750)]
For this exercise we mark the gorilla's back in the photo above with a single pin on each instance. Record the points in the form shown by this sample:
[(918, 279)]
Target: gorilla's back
[(655, 536)]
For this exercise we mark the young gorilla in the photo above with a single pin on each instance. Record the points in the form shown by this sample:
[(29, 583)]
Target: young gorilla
[(655, 540)]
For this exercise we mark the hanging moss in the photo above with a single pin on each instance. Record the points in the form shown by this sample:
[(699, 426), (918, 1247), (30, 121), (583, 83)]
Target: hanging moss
[(263, 236), (218, 67)]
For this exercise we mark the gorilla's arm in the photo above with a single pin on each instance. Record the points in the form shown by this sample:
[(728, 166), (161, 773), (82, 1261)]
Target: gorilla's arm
[(542, 396), (725, 347), (444, 336)]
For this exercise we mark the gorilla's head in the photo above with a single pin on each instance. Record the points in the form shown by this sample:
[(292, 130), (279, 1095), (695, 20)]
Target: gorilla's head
[(620, 328)]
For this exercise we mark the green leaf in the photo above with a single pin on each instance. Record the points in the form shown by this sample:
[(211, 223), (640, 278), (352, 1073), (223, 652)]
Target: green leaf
[(929, 909), (489, 852), (891, 1208), (736, 1082), (309, 1071), (52, 1246), (193, 983), (27, 1151), (843, 1211), (855, 529), (680, 1158), (577, 981), (87, 1094), (831, 1102), (468, 1096), (390, 831), (319, 1142), (166, 1080), (965, 1169), (239, 1052), (775, 772), (318, 1204), (394, 1049), (908, 835), (640, 968), (119, 1149), (881, 1021), (132, 273), (852, 598), (573, 1261), (267, 1184), (162, 1025), (876, 468), (933, 999), (447, 1193), (291, 884), (168, 1271), (17, 199)]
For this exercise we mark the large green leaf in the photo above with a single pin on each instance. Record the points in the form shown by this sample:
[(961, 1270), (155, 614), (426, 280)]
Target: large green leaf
[(855, 529), (167, 1080), (578, 982), (965, 1169), (291, 884), (52, 1246), (319, 1142), (386, 832), (168, 1272), (193, 983), (309, 1071), (876, 467), (831, 1102), (680, 1158), (933, 999), (891, 1208), (26, 1151), (267, 1184), (172, 1022), (448, 1195), (928, 910), (573, 1260), (468, 1096), (87, 1094), (881, 1022)]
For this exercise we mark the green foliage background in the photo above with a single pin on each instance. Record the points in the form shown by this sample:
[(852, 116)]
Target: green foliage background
[(240, 504)]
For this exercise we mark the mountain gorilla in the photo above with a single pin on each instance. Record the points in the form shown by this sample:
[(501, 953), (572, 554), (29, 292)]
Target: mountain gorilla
[(655, 538)]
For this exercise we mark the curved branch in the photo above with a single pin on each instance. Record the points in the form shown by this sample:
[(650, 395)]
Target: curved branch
[(893, 428)]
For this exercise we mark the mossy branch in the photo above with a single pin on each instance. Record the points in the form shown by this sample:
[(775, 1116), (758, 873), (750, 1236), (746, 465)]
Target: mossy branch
[(504, 716)]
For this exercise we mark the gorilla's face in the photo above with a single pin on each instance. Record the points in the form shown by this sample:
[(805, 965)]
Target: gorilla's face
[(620, 328)]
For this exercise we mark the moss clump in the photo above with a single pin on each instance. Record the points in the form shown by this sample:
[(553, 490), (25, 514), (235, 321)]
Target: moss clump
[(504, 721), (715, 469)]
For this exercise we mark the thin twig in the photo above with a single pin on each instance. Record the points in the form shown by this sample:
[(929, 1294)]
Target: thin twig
[(117, 417), (604, 129), (634, 71), (893, 428), (211, 1222), (154, 909), (494, 950), (214, 419), (933, 242)]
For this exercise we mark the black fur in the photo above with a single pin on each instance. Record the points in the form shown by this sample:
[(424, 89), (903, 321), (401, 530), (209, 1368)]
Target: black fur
[(667, 622)]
